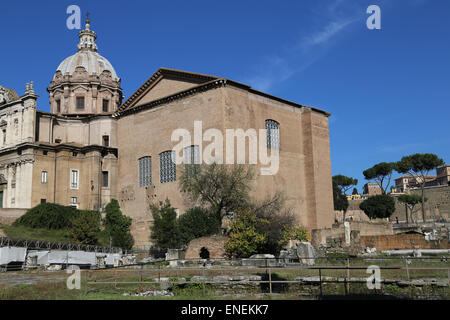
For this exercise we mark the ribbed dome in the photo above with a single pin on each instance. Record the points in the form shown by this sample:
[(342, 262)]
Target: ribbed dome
[(87, 56), (90, 60)]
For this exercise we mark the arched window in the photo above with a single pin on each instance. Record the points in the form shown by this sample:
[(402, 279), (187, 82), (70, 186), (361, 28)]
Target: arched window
[(191, 160), (273, 134), (145, 171), (167, 167)]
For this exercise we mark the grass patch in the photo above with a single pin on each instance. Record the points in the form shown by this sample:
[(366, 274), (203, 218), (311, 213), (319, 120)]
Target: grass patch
[(22, 232), (62, 235)]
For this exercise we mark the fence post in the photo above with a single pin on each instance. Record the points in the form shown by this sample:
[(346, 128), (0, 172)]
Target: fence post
[(448, 275), (320, 281), (204, 280), (159, 272), (407, 270), (87, 281), (140, 275), (347, 280), (270, 281)]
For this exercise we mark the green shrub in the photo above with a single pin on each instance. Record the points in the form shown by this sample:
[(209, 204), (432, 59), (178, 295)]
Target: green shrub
[(165, 232), (197, 222), (379, 206), (48, 216), (85, 227), (245, 239), (118, 226)]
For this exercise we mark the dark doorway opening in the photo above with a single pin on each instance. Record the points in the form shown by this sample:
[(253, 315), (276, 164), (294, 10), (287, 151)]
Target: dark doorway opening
[(204, 253)]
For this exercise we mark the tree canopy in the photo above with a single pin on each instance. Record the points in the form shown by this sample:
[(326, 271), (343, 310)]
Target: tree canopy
[(344, 183), (340, 200), (419, 165), (118, 226), (411, 200), (381, 173), (165, 230), (197, 222), (222, 188), (379, 206)]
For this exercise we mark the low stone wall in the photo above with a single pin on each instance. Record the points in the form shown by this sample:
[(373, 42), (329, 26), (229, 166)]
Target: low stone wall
[(214, 244), (9, 215), (402, 241), (319, 236)]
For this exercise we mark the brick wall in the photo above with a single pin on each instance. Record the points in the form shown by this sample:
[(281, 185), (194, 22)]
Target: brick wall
[(402, 241), (214, 244), (437, 206)]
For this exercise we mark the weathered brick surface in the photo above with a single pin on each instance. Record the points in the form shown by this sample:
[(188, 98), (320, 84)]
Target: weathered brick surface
[(320, 236), (9, 215), (214, 244), (402, 241), (437, 206)]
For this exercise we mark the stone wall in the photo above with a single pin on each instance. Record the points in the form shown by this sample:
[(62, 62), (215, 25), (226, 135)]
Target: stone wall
[(402, 241), (9, 215), (437, 206), (319, 237), (353, 212), (214, 244)]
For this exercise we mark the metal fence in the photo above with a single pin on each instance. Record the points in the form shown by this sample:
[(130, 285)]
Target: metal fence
[(167, 275)]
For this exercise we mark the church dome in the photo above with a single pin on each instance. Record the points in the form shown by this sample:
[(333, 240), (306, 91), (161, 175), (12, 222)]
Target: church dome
[(91, 61), (87, 57), (86, 82)]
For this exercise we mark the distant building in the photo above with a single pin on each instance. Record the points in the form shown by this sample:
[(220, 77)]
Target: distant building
[(372, 189), (354, 197), (443, 176), (407, 182)]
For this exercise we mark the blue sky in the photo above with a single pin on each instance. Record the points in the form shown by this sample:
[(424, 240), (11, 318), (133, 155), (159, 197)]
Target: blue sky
[(388, 90)]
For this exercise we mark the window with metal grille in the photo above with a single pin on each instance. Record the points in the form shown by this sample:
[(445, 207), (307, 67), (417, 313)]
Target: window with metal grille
[(145, 171), (273, 134), (191, 160), (167, 167)]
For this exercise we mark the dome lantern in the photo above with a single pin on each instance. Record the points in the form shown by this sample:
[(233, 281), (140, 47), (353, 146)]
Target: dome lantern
[(87, 38)]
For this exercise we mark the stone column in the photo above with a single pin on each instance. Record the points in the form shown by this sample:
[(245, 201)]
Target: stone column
[(347, 233)]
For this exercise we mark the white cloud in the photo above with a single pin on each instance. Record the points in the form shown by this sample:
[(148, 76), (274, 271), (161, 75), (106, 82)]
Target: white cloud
[(303, 52)]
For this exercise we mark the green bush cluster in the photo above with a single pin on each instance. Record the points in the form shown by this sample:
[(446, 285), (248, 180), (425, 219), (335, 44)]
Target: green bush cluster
[(168, 231), (83, 226), (48, 216)]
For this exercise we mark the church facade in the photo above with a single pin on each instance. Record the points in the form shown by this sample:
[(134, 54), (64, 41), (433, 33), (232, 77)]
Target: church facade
[(92, 146)]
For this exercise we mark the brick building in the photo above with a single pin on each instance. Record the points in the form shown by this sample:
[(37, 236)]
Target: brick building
[(92, 147)]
